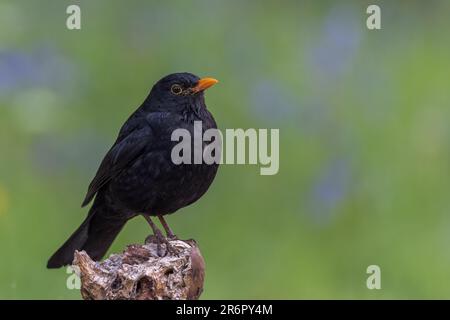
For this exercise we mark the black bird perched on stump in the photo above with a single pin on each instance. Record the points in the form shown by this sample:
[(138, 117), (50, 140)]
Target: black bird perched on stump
[(137, 175)]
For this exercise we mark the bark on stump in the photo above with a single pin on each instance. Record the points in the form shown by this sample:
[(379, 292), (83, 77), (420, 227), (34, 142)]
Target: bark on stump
[(140, 274)]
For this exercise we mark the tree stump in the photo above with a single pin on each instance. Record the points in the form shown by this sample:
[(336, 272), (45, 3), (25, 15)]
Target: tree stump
[(139, 273)]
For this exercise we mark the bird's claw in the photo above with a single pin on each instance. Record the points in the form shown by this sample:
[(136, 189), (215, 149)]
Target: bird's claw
[(159, 239)]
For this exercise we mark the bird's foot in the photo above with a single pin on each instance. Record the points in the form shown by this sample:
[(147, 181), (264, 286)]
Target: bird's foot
[(172, 237), (163, 246), (170, 248)]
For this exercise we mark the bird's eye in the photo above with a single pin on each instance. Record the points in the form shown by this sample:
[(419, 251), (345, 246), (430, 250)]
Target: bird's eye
[(176, 89)]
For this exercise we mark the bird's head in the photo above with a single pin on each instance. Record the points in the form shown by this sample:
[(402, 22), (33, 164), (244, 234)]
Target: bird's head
[(179, 89)]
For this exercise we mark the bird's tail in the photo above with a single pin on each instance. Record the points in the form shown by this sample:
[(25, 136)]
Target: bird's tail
[(95, 235)]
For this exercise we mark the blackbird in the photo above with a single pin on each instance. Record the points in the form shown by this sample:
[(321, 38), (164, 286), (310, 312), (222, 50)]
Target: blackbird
[(137, 176)]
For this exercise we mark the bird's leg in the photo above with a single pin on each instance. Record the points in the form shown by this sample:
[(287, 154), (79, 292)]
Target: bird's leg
[(169, 231), (155, 230), (160, 239), (157, 234)]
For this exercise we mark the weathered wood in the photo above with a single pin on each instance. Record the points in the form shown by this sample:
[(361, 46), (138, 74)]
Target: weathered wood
[(140, 274)]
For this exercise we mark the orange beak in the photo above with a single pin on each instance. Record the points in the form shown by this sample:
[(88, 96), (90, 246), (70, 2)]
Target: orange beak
[(204, 84)]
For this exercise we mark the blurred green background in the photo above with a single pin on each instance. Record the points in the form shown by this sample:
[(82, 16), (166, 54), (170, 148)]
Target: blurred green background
[(364, 129)]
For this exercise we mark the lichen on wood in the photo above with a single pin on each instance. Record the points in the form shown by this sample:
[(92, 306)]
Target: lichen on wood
[(140, 273)]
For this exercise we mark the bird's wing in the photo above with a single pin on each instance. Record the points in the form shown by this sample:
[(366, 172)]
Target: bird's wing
[(121, 154)]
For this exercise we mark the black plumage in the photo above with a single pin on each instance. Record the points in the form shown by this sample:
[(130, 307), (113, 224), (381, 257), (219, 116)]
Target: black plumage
[(137, 175)]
